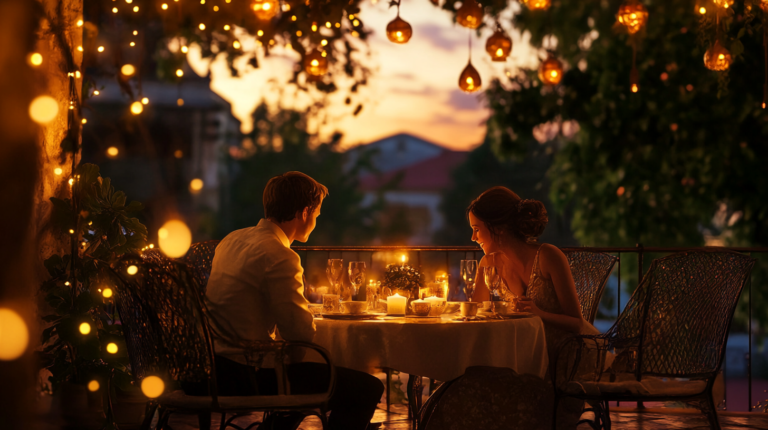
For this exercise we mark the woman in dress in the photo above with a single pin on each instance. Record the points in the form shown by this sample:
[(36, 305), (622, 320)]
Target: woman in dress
[(536, 278)]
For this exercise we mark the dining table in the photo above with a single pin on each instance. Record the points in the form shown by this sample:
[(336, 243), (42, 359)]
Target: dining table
[(439, 348)]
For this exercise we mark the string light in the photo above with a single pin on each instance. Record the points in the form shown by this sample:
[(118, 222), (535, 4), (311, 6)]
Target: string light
[(215, 8), (201, 26), (135, 32), (43, 109), (179, 72), (112, 348), (100, 49), (128, 70), (107, 293), (84, 120), (80, 48), (79, 22), (71, 182), (196, 185), (314, 26), (77, 74), (178, 153), (298, 33), (226, 27), (702, 10), (36, 59), (164, 6), (96, 92), (323, 42), (152, 386), (93, 385), (135, 8), (328, 24), (260, 33), (174, 238), (136, 108), (144, 100), (85, 328), (184, 49), (180, 102), (114, 10), (293, 18), (57, 171), (132, 270), (236, 44), (112, 151), (15, 336)]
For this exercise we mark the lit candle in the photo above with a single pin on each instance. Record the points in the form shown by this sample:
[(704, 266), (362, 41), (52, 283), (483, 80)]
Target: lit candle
[(403, 260), (396, 304)]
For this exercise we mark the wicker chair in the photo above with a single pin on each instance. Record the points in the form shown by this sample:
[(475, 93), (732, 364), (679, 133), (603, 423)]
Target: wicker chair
[(590, 271), (200, 260), (669, 340), (166, 332)]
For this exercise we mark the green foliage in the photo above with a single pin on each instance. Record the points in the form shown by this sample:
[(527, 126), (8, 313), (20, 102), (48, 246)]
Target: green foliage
[(102, 228), (651, 167), (280, 143)]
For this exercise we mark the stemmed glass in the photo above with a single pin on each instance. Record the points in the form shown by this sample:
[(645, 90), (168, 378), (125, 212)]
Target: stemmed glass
[(356, 276), (334, 271), (492, 274), (468, 274)]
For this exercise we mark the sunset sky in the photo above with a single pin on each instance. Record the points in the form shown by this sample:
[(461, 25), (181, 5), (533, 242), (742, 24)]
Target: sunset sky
[(414, 87)]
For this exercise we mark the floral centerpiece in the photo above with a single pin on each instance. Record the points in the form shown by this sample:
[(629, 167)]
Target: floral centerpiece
[(403, 279)]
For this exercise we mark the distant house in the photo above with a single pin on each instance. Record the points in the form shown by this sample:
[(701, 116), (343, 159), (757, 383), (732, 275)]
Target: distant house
[(411, 175)]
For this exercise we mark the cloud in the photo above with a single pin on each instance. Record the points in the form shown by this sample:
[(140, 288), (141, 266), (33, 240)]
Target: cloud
[(463, 101), (439, 36)]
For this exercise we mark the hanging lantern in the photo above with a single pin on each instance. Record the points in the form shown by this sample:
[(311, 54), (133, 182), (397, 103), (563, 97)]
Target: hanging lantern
[(725, 4), (399, 31), (470, 14), (265, 9), (315, 64), (551, 71), (435, 2), (499, 45), (764, 5), (537, 4), (632, 15), (717, 57), (469, 80)]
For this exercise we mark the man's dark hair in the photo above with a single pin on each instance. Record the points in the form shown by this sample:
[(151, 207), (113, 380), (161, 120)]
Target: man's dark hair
[(289, 193)]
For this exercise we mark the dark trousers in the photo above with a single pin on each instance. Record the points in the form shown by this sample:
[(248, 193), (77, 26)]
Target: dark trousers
[(352, 405)]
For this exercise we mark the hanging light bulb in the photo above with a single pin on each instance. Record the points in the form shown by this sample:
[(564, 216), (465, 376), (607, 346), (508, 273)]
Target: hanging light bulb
[(499, 45), (315, 63), (632, 15), (634, 81), (470, 14), (399, 31), (717, 57), (537, 4), (265, 9), (551, 71), (469, 80)]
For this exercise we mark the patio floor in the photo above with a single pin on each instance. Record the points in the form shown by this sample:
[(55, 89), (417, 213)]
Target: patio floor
[(397, 418)]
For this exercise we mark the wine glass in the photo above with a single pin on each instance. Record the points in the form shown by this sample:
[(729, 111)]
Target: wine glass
[(356, 275), (468, 274), (334, 271), (492, 274)]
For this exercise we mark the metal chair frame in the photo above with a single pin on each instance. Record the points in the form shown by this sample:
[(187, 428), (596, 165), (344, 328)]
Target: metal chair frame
[(629, 334), (148, 352), (591, 271)]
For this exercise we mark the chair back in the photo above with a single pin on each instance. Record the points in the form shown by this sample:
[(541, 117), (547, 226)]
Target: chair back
[(679, 317), (200, 260), (163, 320), (590, 271)]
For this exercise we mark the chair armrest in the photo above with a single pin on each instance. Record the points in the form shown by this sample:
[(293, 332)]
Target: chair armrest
[(581, 357)]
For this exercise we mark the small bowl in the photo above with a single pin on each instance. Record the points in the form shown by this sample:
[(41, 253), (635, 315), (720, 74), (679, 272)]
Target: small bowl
[(468, 309), (353, 307), (420, 308), (451, 307)]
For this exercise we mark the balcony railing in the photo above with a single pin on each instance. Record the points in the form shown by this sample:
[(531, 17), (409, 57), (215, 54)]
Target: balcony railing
[(435, 259)]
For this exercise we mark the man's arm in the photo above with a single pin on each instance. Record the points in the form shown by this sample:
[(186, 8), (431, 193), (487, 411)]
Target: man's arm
[(285, 289)]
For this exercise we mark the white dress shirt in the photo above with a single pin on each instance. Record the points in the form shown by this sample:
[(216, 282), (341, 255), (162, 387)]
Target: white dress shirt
[(256, 284)]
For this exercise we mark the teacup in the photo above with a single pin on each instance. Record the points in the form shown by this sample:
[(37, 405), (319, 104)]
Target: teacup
[(451, 307), (504, 308), (468, 309), (353, 307), (437, 308), (420, 308)]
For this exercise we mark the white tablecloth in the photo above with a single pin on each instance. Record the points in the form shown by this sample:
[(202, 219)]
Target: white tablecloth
[(440, 349)]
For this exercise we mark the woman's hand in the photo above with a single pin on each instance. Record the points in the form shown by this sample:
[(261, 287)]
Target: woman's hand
[(525, 304)]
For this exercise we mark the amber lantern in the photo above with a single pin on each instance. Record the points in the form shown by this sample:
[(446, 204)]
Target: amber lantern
[(469, 80), (632, 15), (551, 71), (764, 5), (537, 4), (265, 9), (315, 64), (499, 45), (725, 4), (399, 31), (717, 57), (470, 14)]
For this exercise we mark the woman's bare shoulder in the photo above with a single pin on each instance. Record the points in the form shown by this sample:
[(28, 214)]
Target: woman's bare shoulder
[(551, 256)]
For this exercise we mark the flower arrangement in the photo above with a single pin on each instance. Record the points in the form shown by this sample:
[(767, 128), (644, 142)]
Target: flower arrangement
[(403, 279)]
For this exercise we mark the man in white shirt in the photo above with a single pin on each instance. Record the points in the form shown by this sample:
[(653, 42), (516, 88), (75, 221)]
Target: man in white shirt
[(256, 286)]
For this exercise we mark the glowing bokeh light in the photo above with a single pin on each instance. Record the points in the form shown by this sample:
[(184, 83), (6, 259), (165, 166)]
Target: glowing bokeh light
[(14, 335), (174, 238), (152, 386), (43, 109)]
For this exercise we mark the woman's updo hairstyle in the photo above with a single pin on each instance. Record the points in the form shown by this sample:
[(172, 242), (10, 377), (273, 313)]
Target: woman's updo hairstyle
[(503, 211)]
